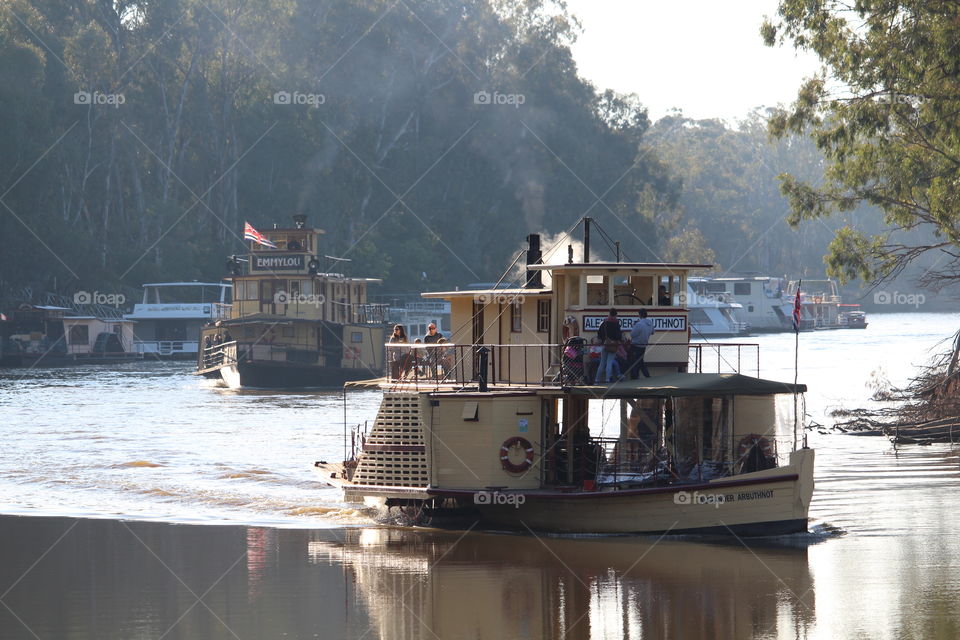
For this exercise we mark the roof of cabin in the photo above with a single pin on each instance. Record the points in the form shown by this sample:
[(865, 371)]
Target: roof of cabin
[(690, 384), (648, 266), (505, 293)]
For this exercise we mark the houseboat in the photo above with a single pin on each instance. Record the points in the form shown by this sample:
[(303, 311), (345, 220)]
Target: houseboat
[(170, 315), (293, 325), (761, 298), (502, 428), (713, 317), (48, 335)]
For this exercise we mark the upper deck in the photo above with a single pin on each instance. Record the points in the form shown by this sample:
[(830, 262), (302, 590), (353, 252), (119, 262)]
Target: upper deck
[(572, 303), (293, 279)]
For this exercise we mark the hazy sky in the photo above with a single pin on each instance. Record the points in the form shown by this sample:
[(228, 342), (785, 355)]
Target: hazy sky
[(702, 56)]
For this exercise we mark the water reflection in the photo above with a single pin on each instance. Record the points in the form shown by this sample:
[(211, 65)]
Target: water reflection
[(79, 579), (438, 584)]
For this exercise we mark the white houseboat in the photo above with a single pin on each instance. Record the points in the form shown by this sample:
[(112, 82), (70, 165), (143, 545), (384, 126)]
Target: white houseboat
[(171, 314), (501, 429), (762, 299), (712, 317)]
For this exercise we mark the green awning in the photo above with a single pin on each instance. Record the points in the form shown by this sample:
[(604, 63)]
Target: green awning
[(689, 384)]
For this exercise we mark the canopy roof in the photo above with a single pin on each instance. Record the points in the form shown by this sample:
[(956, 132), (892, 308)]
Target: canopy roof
[(690, 384)]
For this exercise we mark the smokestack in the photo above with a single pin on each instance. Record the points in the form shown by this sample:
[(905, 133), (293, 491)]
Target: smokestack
[(534, 278), (586, 239)]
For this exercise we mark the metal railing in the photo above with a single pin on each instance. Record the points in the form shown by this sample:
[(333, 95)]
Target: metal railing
[(725, 357), (525, 365), (459, 364)]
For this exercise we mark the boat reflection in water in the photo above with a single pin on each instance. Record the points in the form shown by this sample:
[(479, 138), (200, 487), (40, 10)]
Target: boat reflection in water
[(447, 585), (79, 579)]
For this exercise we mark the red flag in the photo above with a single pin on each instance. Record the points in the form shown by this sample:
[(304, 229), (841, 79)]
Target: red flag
[(249, 233), (796, 310)]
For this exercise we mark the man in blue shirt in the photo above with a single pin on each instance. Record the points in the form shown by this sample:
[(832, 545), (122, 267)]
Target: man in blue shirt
[(639, 339)]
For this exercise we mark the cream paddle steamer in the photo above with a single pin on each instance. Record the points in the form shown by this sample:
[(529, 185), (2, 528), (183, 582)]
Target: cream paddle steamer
[(292, 323), (503, 428)]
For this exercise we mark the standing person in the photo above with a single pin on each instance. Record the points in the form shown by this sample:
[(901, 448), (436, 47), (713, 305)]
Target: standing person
[(433, 355), (611, 335), (639, 339), (398, 355)]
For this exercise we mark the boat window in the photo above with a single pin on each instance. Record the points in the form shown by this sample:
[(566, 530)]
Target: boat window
[(287, 332), (698, 317), (597, 290), (79, 334), (741, 288), (516, 317), (543, 316), (356, 337), (470, 411), (715, 287)]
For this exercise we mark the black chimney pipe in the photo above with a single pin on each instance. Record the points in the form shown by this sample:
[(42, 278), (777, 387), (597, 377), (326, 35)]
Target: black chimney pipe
[(534, 256), (586, 239)]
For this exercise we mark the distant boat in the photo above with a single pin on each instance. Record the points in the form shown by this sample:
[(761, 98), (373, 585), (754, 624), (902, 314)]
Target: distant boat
[(171, 314), (761, 299), (292, 325), (714, 318), (48, 335), (821, 307)]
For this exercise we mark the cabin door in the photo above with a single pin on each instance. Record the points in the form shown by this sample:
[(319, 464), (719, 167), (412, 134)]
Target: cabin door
[(273, 297)]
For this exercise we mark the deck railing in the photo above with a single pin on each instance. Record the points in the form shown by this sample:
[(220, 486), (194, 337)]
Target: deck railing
[(523, 365), (725, 357)]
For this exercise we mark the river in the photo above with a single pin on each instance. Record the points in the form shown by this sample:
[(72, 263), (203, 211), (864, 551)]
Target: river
[(117, 460)]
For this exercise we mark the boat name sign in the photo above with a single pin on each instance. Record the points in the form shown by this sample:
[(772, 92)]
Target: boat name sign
[(661, 323), (271, 262)]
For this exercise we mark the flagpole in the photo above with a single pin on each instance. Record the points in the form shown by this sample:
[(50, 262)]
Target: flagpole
[(796, 360)]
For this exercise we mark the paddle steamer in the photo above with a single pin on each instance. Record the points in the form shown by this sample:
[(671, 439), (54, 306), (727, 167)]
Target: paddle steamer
[(504, 429), (293, 325)]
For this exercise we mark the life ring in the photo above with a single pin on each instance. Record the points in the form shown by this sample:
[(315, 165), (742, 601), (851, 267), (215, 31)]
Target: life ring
[(509, 444), (754, 440)]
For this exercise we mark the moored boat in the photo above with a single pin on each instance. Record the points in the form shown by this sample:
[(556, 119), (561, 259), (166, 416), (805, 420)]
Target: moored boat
[(52, 336), (171, 314), (510, 435)]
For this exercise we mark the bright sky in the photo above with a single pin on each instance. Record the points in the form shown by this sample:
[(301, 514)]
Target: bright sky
[(704, 57)]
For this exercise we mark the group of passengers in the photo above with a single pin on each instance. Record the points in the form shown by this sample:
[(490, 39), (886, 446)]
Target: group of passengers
[(411, 362), (612, 355)]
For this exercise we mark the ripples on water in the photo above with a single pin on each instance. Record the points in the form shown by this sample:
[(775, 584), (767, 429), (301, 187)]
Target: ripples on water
[(149, 441)]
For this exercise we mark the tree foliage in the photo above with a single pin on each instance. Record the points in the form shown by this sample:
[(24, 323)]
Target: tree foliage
[(402, 148), (885, 113)]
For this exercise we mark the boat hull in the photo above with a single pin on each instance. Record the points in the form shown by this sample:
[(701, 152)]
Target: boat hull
[(753, 509), (764, 503)]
